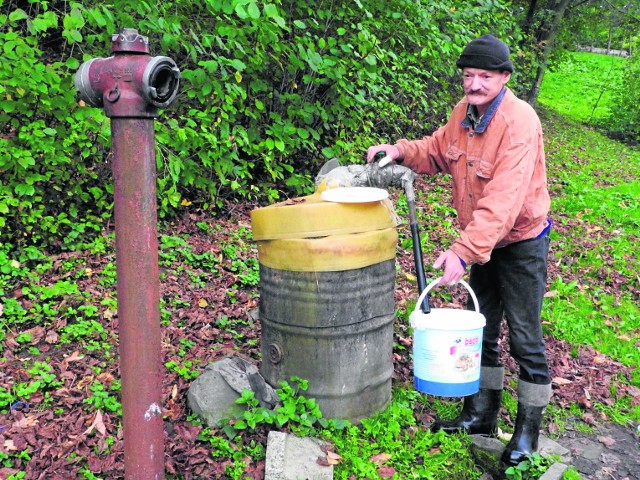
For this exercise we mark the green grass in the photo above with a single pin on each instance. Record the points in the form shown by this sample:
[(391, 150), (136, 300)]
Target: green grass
[(602, 211), (582, 85), (596, 205)]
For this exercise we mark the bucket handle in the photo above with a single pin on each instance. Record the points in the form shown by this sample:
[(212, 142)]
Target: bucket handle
[(425, 292)]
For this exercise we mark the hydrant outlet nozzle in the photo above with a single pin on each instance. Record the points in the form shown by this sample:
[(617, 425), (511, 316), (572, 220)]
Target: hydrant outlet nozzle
[(160, 81), (82, 81)]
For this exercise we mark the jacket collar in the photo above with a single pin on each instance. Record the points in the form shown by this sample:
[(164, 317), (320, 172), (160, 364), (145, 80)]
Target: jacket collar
[(481, 126)]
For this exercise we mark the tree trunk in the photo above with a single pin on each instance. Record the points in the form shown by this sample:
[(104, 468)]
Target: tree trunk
[(528, 21), (547, 33)]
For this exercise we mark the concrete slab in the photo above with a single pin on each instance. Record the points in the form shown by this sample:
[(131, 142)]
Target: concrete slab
[(294, 458)]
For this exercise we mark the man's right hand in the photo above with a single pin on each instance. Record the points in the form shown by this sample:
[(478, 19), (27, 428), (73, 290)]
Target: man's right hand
[(390, 151)]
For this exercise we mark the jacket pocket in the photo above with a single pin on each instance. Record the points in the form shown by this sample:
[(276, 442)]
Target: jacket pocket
[(453, 153), (484, 168)]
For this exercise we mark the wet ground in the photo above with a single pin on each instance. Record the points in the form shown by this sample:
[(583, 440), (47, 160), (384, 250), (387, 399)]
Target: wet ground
[(611, 452)]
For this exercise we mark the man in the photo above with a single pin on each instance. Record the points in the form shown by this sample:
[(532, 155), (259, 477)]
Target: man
[(492, 146)]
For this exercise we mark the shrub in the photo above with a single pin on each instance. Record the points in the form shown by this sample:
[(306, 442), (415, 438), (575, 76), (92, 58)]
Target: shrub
[(270, 90)]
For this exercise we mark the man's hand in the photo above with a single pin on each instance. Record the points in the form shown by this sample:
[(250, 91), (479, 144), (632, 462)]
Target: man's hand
[(453, 269), (390, 150)]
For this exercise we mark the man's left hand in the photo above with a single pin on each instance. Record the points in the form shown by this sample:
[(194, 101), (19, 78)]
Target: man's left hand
[(453, 269)]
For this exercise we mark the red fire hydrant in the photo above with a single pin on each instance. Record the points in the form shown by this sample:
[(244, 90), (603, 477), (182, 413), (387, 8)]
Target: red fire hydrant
[(131, 86)]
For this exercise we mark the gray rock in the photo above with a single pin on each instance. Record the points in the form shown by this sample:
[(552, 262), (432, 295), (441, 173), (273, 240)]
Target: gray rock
[(548, 447), (555, 472), (212, 396), (294, 458), (487, 451)]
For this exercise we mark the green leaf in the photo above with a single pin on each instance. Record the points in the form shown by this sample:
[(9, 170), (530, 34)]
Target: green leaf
[(72, 63), (24, 190), (74, 20), (18, 14), (270, 10), (253, 10), (26, 161), (238, 65), (241, 12)]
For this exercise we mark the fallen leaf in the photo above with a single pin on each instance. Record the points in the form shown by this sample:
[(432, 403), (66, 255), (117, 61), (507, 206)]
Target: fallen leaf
[(410, 277), (588, 419), (174, 392), (624, 338), (598, 360), (561, 381), (607, 441), (380, 458), (333, 456), (25, 422), (9, 446), (551, 294), (202, 303), (74, 357), (105, 377), (386, 471), (97, 424), (52, 337)]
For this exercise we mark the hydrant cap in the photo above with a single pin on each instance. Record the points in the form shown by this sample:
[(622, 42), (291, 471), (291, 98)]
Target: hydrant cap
[(129, 41)]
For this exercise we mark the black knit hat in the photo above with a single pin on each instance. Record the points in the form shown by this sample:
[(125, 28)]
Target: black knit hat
[(487, 53)]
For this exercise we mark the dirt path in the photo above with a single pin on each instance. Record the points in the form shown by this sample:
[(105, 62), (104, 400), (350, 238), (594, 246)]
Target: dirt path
[(611, 452)]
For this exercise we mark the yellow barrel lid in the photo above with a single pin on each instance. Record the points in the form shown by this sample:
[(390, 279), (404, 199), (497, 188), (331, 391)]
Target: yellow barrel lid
[(311, 216)]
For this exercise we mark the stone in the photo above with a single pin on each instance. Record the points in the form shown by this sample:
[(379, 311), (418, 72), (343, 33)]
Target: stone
[(295, 458), (212, 396), (554, 472), (486, 451), (548, 447)]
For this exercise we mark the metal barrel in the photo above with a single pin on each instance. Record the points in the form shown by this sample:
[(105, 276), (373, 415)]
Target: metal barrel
[(334, 329)]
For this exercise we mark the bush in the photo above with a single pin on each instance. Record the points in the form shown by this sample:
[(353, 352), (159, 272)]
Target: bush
[(270, 90), (624, 122)]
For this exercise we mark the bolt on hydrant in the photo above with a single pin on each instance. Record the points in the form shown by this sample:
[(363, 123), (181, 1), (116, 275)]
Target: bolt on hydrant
[(131, 86)]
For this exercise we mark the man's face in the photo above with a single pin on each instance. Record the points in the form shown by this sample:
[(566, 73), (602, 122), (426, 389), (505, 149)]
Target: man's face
[(482, 86)]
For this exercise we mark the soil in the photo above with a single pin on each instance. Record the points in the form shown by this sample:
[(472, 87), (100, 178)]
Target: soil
[(610, 452)]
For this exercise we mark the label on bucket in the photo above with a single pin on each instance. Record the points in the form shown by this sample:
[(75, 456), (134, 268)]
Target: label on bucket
[(441, 358)]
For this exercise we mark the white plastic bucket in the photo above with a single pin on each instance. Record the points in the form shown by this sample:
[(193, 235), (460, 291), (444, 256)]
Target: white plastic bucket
[(447, 346)]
